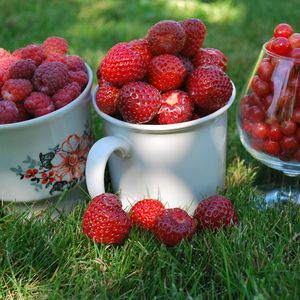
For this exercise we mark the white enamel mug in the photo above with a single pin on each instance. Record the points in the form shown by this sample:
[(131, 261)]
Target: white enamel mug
[(177, 163)]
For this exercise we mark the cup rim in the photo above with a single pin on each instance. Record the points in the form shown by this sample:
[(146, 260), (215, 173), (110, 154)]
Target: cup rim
[(167, 127), (275, 55), (55, 114)]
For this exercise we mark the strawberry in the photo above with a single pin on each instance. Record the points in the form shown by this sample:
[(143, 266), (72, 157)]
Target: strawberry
[(195, 32), (209, 87), (210, 56), (143, 212), (142, 47), (166, 72), (215, 212), (166, 37), (176, 107), (107, 98), (172, 225), (105, 221), (189, 67), (139, 102), (122, 64)]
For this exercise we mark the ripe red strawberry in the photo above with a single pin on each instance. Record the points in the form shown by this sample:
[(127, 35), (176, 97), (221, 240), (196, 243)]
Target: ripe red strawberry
[(107, 98), (139, 102), (122, 64), (209, 87), (172, 225), (176, 107), (66, 95), (142, 47), (166, 72), (34, 52), (38, 104), (16, 89), (105, 221), (143, 212), (166, 37), (211, 57), (215, 212), (22, 69), (189, 67), (55, 44), (8, 112), (195, 31)]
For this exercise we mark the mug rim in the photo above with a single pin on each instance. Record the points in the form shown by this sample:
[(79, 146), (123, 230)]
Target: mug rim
[(168, 127), (55, 114)]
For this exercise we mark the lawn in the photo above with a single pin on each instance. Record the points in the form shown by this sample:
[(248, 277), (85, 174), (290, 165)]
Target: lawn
[(259, 259)]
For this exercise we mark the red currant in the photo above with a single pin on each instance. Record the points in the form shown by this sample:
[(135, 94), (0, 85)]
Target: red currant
[(269, 44), (265, 70), (294, 40), (296, 115), (297, 155), (260, 130), (283, 30), (255, 114), (272, 147), (247, 126), (257, 144), (297, 134), (274, 132), (281, 46), (266, 102), (295, 53), (289, 143), (288, 127), (260, 87)]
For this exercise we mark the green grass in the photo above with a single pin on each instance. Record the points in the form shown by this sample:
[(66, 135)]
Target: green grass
[(260, 259)]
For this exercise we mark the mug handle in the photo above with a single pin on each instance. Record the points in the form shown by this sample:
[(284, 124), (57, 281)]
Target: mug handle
[(97, 159)]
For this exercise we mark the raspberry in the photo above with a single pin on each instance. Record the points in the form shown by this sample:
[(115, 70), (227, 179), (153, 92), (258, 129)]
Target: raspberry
[(166, 37), (8, 112), (139, 102), (4, 53), (195, 32), (107, 98), (166, 72), (22, 69), (16, 89), (3, 77), (176, 107), (66, 95), (56, 57), (49, 77), (7, 62), (55, 44), (210, 56), (38, 104), (33, 52), (80, 77), (142, 47), (75, 63), (122, 65), (23, 113)]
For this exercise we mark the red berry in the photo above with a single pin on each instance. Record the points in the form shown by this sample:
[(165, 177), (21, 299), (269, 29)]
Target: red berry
[(275, 132), (34, 52), (281, 46), (215, 212), (296, 115), (8, 112), (16, 89), (166, 37), (272, 147), (256, 114), (23, 113), (56, 57), (209, 87), (66, 95), (289, 143), (3, 77), (49, 77), (139, 102), (195, 32), (22, 69), (122, 64), (80, 77), (288, 127), (211, 57), (38, 104), (266, 102), (294, 40), (247, 126), (260, 130), (189, 67), (176, 107), (75, 63), (265, 70), (4, 53), (107, 98), (166, 72), (141, 46), (297, 155), (297, 134), (55, 44), (105, 221), (144, 212), (283, 30), (295, 53), (172, 225), (257, 144), (7, 62), (260, 88)]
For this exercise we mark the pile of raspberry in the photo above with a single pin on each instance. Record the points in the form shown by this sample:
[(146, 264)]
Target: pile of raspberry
[(36, 80), (165, 77)]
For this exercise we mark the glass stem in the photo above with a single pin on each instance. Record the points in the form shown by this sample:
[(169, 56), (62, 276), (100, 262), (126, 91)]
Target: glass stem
[(290, 187)]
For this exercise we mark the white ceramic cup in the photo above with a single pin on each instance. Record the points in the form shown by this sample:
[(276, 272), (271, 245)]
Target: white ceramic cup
[(42, 157), (177, 163)]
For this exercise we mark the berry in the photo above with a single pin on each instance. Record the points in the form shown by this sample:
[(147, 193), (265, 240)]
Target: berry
[(172, 225), (195, 32), (7, 62), (16, 89), (142, 47), (4, 53), (22, 69), (166, 37), (289, 143), (294, 40), (281, 46), (38, 104), (189, 67), (56, 57), (209, 87), (122, 64), (176, 107), (215, 212), (139, 102), (256, 114), (80, 77), (3, 77), (260, 130), (33, 52), (265, 70), (143, 212), (107, 98), (75, 63), (260, 88), (283, 30), (49, 77), (210, 57), (66, 95), (288, 127), (295, 53), (55, 44), (257, 144), (8, 112), (23, 113), (275, 132), (105, 221), (272, 147), (166, 72)]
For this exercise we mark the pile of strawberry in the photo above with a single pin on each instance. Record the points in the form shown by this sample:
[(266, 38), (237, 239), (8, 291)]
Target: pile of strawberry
[(270, 112), (165, 77), (36, 80), (105, 222)]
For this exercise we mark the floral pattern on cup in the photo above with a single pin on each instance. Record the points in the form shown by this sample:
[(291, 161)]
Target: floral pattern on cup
[(61, 167)]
